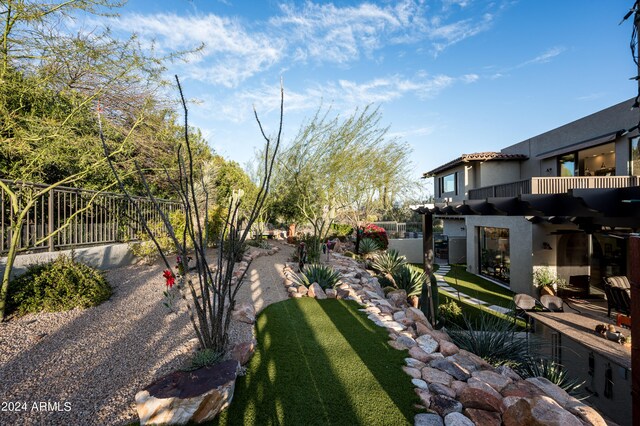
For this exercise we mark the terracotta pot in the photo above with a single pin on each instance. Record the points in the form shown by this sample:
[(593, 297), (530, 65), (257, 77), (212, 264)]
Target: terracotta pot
[(547, 290), (414, 301)]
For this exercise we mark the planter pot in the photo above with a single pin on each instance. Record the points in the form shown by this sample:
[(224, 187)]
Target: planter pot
[(188, 396), (547, 290)]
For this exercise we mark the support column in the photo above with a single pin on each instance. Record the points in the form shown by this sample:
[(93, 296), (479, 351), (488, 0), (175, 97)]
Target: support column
[(634, 279), (427, 251)]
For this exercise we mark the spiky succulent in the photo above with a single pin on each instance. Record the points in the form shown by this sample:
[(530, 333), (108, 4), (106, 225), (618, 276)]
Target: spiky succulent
[(388, 262), (324, 275)]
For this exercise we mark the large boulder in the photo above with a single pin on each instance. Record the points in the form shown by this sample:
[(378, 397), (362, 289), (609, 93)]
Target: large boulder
[(316, 291), (188, 396), (538, 411), (242, 352)]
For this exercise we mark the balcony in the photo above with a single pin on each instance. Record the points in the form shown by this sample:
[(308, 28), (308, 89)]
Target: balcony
[(552, 185)]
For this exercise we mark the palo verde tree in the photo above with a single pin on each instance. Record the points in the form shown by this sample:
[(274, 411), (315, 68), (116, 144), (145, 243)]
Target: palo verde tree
[(347, 170), (208, 291)]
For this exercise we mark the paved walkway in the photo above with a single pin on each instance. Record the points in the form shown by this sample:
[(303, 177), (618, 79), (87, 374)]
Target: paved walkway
[(450, 291)]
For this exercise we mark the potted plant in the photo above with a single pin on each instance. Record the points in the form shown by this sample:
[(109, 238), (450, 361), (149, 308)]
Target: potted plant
[(546, 281)]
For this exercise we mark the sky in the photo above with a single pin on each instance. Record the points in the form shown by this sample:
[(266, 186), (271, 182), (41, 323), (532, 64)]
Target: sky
[(450, 76)]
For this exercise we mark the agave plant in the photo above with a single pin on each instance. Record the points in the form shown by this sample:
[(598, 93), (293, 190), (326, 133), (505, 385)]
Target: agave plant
[(491, 338), (410, 279), (388, 262), (368, 247), (324, 275), (552, 371)]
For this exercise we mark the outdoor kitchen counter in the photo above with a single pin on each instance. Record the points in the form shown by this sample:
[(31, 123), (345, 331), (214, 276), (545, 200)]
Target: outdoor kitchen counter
[(582, 329)]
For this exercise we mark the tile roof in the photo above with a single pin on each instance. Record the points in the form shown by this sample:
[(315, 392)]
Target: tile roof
[(476, 156)]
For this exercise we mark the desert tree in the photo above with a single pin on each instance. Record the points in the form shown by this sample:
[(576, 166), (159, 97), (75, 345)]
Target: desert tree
[(209, 291)]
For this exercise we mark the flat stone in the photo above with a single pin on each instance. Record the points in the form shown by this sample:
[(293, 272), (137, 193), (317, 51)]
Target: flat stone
[(482, 418), (427, 419), (242, 352), (448, 348), (522, 389), (457, 419), (588, 415), (495, 380), (427, 343), (440, 389), (458, 385), (424, 395), (472, 397), (479, 384), (452, 368), (399, 315), (507, 371), (418, 354), (398, 298), (244, 312), (554, 391), (406, 341), (393, 325), (420, 384), (193, 396), (480, 363), (395, 345), (414, 363), (444, 405), (433, 375), (331, 293), (421, 329), (417, 315), (540, 410), (413, 372), (302, 290)]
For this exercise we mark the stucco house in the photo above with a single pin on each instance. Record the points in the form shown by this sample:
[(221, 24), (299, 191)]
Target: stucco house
[(566, 199)]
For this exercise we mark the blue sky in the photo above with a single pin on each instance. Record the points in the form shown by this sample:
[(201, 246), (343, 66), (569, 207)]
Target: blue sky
[(450, 76)]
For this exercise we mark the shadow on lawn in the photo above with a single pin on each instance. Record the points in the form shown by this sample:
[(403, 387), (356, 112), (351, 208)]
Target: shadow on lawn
[(318, 363)]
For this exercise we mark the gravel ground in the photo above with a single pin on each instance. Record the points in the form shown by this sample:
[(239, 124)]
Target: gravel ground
[(87, 365)]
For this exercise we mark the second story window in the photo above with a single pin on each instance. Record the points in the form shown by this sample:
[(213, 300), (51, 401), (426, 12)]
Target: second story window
[(449, 183), (634, 157)]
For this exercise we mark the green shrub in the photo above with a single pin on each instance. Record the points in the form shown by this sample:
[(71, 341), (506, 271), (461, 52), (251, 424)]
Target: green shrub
[(203, 358), (450, 312), (552, 371), (314, 247), (146, 250), (324, 275), (491, 338), (410, 279), (58, 286), (388, 262), (238, 249), (340, 230), (368, 247), (259, 243), (377, 234)]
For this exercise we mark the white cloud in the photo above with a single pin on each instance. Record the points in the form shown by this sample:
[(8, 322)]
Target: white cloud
[(343, 95), (230, 55), (544, 57)]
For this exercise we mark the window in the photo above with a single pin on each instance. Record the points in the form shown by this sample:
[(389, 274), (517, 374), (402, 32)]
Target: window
[(494, 253), (567, 165), (634, 166), (449, 183)]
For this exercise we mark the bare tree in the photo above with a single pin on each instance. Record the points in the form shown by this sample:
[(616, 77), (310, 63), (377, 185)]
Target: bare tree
[(208, 290)]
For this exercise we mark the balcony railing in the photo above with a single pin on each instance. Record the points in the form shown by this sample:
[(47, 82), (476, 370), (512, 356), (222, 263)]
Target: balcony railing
[(552, 185)]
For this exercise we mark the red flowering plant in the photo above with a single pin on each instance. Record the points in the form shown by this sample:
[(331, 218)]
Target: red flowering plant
[(377, 234), (169, 296)]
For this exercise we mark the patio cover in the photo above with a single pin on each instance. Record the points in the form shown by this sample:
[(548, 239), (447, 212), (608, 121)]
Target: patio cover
[(589, 208)]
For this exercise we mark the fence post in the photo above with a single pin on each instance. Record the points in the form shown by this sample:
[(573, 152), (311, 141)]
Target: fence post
[(50, 230)]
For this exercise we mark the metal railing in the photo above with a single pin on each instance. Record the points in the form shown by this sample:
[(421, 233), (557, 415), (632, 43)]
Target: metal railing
[(401, 229), (551, 185), (81, 216)]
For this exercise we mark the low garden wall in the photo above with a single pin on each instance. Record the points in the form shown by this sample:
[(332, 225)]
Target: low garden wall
[(411, 248)]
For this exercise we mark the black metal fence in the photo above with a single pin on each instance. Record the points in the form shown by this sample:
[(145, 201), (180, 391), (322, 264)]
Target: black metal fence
[(81, 217)]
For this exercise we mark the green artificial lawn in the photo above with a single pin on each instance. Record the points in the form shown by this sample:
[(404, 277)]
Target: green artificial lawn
[(321, 363), (475, 286)]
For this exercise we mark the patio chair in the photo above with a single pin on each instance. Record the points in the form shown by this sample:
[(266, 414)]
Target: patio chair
[(523, 304), (552, 303), (618, 292)]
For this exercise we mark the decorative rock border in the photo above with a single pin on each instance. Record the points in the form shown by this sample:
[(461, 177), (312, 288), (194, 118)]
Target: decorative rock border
[(455, 387)]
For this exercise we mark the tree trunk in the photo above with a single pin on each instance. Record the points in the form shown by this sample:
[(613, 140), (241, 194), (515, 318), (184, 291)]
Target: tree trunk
[(11, 257)]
